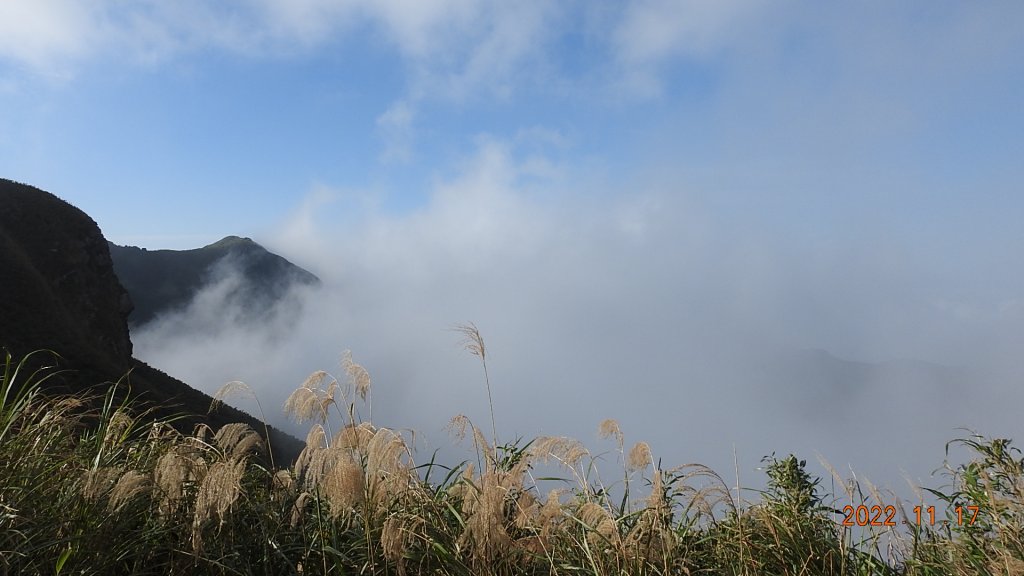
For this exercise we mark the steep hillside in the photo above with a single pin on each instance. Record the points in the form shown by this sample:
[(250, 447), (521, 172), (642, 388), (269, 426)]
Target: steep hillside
[(59, 287), (59, 292), (161, 281)]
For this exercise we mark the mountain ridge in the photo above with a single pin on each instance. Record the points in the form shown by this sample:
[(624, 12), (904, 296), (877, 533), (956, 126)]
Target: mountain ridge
[(162, 281), (60, 293)]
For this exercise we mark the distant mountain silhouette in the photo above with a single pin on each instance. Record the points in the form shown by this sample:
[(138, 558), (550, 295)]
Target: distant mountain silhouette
[(59, 291), (162, 281), (818, 386)]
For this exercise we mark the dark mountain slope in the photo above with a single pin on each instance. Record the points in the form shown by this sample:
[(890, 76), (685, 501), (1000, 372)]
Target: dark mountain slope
[(161, 281), (58, 291), (59, 286)]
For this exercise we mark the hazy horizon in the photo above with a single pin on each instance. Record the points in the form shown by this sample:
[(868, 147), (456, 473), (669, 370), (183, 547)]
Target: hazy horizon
[(583, 331)]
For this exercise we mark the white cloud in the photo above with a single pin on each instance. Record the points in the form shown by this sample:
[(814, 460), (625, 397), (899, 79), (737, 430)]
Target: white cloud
[(462, 49), (395, 126), (46, 35), (453, 50), (653, 30), (300, 234), (652, 33), (462, 39), (512, 37), (426, 29), (645, 306), (58, 36)]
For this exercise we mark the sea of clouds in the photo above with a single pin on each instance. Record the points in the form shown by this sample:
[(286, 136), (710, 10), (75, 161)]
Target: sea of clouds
[(715, 343)]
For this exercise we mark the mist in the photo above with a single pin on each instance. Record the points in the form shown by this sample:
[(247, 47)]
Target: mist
[(713, 334)]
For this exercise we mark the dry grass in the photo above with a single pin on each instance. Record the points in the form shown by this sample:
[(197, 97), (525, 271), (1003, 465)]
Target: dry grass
[(130, 485), (305, 405), (640, 456), (128, 496), (237, 388), (358, 377), (474, 343), (219, 489), (609, 428), (170, 475), (238, 441)]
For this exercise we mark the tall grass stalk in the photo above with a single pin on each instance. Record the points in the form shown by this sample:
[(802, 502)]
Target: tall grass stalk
[(239, 388), (474, 343)]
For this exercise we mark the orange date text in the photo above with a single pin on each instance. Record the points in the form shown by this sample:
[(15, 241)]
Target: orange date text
[(886, 515)]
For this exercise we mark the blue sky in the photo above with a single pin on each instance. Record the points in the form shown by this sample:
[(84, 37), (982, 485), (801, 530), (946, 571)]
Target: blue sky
[(202, 119), (644, 176)]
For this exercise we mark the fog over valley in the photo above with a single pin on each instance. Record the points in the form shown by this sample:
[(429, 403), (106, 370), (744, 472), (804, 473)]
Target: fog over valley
[(703, 337)]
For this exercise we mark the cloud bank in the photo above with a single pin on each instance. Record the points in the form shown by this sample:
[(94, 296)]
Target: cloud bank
[(649, 306)]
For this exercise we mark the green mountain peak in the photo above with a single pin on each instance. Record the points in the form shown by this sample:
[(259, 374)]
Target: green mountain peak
[(231, 242)]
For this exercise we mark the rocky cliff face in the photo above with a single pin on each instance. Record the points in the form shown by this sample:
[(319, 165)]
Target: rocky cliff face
[(59, 291), (58, 279)]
